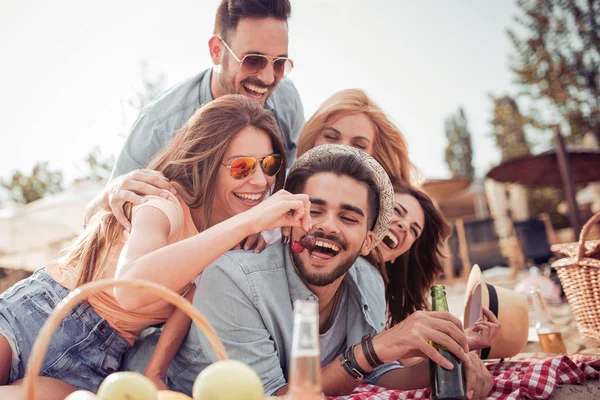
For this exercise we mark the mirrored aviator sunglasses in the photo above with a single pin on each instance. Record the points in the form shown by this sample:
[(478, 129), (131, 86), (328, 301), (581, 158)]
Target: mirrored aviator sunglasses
[(243, 167)]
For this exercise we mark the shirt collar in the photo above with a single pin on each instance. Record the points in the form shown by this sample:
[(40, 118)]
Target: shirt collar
[(298, 290)]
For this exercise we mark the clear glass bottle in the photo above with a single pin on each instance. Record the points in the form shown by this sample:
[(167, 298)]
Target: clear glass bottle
[(305, 365), (445, 384), (551, 340)]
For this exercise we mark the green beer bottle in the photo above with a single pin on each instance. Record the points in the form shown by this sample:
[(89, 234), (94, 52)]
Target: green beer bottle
[(445, 384)]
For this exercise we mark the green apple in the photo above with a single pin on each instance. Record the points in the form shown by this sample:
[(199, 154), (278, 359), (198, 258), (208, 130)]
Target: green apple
[(127, 386), (228, 380), (81, 395)]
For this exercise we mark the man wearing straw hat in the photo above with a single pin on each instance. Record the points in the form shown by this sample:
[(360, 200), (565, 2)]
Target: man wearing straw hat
[(248, 297)]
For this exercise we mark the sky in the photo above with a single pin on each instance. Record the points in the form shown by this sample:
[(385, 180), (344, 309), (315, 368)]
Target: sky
[(68, 67)]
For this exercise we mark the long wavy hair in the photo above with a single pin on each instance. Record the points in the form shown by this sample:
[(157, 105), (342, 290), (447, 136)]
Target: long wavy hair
[(389, 147), (410, 277), (191, 163)]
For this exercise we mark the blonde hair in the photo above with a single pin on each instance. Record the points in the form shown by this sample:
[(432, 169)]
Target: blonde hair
[(389, 147), (191, 163)]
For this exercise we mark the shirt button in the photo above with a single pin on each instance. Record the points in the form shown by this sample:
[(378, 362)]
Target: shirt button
[(366, 307)]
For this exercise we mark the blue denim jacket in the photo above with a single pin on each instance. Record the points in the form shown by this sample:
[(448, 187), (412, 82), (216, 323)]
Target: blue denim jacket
[(248, 298), (158, 122)]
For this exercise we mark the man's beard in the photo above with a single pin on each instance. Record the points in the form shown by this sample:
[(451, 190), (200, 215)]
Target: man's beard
[(227, 81), (323, 278)]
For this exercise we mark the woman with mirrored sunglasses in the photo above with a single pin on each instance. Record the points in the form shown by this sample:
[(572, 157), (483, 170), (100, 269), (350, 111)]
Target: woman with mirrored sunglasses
[(223, 163)]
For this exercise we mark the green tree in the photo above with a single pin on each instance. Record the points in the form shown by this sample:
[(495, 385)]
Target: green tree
[(508, 128), (459, 151), (24, 188), (97, 166), (557, 61)]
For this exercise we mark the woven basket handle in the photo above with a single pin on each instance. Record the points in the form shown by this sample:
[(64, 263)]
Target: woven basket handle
[(584, 232), (82, 293)]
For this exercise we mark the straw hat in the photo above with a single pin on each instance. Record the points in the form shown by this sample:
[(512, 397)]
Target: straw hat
[(380, 177), (511, 309)]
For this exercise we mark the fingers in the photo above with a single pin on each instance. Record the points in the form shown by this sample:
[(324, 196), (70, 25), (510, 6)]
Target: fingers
[(307, 221), (250, 241), (301, 207), (448, 317), (484, 325), (430, 352), (121, 218), (484, 382), (297, 209), (129, 188), (261, 244), (116, 203), (447, 341), (445, 322), (490, 316), (470, 380), (148, 189)]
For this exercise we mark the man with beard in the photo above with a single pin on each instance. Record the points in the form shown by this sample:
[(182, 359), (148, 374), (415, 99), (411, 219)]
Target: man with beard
[(249, 51), (248, 297)]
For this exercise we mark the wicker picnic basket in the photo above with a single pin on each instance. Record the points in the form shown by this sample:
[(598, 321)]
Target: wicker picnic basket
[(80, 294), (579, 275)]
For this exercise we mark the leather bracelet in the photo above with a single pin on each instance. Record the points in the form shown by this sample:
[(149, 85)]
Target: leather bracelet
[(369, 351), (348, 361), (355, 364)]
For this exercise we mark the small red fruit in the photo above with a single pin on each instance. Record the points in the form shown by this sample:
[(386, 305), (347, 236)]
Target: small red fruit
[(297, 246), (308, 241)]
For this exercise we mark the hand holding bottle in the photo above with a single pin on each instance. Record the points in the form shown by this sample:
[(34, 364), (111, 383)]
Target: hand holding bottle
[(411, 338)]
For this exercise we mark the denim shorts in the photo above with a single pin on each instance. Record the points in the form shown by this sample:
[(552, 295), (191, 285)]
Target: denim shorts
[(83, 350)]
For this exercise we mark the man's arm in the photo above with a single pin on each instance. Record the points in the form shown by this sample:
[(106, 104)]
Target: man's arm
[(224, 297), (291, 105), (337, 382)]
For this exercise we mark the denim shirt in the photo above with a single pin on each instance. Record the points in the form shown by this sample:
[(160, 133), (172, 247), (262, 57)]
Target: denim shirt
[(159, 121), (248, 298)]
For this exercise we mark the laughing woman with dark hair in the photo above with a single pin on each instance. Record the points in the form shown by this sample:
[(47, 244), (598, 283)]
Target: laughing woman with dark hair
[(412, 254)]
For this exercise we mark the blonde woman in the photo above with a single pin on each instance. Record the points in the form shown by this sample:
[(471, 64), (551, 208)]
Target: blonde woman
[(222, 163), (350, 117)]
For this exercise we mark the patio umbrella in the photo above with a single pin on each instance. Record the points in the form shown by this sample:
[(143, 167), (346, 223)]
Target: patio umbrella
[(441, 189), (542, 170), (559, 167)]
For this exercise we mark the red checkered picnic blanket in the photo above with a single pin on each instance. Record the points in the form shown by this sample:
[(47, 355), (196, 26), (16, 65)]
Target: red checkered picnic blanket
[(512, 380)]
